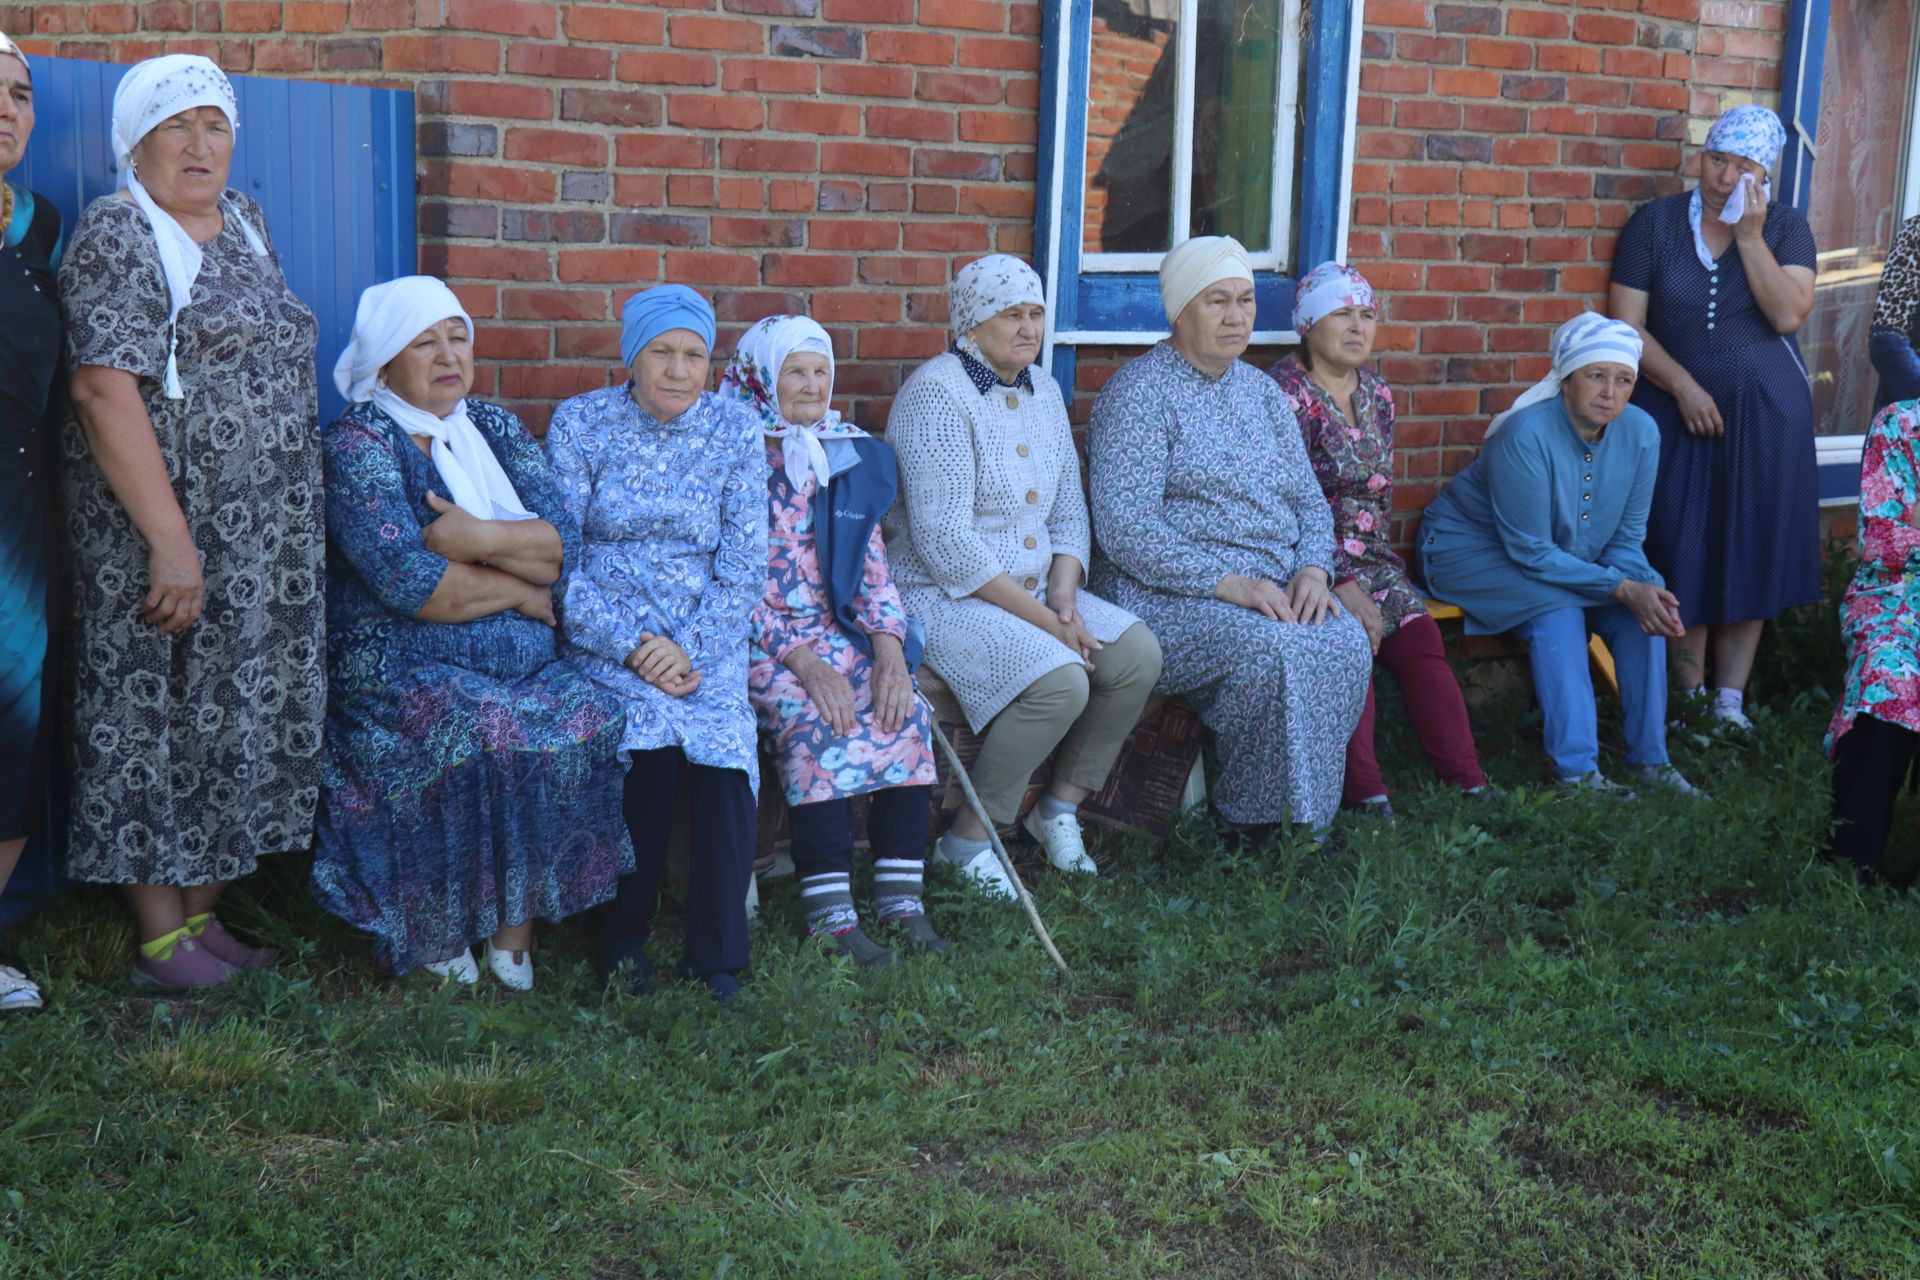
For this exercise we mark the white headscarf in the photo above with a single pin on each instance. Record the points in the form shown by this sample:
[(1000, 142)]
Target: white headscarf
[(152, 91), (1754, 133), (389, 318), (1199, 262), (983, 289), (1588, 338), (753, 377)]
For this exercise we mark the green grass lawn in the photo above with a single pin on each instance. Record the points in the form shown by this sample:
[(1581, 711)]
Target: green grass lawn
[(1542, 1038)]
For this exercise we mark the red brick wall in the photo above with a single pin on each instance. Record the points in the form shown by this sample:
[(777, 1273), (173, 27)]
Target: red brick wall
[(843, 156)]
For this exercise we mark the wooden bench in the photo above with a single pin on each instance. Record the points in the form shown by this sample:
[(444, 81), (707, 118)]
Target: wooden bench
[(1597, 654)]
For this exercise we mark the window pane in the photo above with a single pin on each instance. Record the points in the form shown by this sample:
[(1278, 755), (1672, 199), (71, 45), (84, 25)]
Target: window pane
[(1852, 209), (1130, 114), (1235, 110)]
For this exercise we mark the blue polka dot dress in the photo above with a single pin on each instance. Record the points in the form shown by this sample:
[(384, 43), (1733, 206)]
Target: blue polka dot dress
[(1735, 523)]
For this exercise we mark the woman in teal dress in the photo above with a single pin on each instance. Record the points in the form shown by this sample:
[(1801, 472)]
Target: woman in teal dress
[(469, 784), (29, 359)]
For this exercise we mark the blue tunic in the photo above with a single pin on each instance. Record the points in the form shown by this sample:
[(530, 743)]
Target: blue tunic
[(468, 778), (673, 516), (1735, 521), (1542, 519)]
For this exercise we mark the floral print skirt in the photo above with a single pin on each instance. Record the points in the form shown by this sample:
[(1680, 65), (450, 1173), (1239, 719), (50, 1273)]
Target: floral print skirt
[(813, 762), (454, 804)]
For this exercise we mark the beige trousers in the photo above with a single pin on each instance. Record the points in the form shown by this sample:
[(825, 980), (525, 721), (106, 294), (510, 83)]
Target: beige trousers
[(1086, 714)]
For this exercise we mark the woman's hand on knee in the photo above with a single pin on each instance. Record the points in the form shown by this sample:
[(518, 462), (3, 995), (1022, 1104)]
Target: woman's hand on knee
[(1354, 596), (826, 688), (893, 694), (1656, 609), (1311, 598), (1261, 595)]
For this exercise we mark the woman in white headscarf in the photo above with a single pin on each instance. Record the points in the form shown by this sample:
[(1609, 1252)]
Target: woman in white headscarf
[(1718, 280), (1542, 535), (1213, 528), (990, 544), (192, 482), (471, 783), (832, 651)]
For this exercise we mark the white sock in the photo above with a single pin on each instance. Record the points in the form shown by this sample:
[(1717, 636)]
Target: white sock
[(1729, 702)]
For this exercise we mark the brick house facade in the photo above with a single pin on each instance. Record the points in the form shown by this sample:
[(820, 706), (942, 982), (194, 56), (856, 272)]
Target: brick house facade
[(842, 157)]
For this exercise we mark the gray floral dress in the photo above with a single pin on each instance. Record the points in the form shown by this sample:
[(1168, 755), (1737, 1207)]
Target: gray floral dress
[(193, 755), (1195, 477)]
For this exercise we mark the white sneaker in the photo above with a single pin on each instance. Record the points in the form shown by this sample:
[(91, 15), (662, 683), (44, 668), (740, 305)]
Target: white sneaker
[(17, 990), (513, 968), (1727, 718), (1060, 837), (983, 869), (460, 969), (1665, 775)]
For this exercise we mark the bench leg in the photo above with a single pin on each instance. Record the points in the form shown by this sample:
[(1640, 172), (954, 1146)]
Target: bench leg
[(1602, 662), (1194, 794)]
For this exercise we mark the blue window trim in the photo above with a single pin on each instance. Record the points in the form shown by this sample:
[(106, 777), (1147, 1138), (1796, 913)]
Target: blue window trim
[(1837, 457), (1127, 305)]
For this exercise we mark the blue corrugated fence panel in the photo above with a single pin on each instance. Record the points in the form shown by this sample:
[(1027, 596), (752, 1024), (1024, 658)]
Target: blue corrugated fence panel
[(331, 166)]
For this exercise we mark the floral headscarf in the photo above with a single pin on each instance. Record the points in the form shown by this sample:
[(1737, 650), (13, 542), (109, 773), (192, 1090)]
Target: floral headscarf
[(983, 289), (752, 378), (1324, 290)]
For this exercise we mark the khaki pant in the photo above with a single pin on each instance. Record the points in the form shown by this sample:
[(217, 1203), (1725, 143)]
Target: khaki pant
[(1087, 715)]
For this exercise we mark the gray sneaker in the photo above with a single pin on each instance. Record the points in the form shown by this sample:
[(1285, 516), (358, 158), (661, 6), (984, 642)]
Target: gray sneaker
[(858, 947), (1665, 775), (1595, 782)]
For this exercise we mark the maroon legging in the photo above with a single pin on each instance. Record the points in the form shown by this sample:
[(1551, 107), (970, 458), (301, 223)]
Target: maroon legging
[(1435, 709)]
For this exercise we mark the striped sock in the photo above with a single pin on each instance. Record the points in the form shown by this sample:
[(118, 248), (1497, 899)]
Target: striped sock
[(896, 888), (827, 901)]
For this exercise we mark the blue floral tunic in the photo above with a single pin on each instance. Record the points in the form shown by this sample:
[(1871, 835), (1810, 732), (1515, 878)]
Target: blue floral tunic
[(468, 775), (1196, 477), (674, 520)]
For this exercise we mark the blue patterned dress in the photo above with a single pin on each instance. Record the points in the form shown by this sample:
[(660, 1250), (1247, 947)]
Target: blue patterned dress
[(1195, 477), (469, 775), (673, 516)]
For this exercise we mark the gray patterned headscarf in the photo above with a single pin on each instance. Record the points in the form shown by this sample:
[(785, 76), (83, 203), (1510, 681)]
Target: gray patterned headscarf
[(983, 289)]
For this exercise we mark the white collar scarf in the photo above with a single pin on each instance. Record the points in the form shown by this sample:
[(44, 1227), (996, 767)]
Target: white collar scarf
[(752, 376), (390, 316)]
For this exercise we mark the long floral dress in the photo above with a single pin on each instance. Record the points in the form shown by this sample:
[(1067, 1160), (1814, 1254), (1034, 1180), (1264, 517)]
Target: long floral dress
[(193, 755), (470, 778), (815, 763), (1353, 461), (1195, 477), (674, 523), (1880, 614)]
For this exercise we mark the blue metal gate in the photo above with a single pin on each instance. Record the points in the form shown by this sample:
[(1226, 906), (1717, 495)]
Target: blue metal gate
[(331, 165)]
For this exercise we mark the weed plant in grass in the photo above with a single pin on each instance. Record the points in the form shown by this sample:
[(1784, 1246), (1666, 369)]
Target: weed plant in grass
[(1543, 1037)]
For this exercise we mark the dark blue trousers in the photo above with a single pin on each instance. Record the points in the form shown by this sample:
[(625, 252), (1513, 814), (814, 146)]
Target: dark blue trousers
[(897, 825), (723, 824)]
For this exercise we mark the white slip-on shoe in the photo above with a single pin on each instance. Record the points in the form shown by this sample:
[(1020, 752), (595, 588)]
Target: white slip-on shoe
[(460, 969), (1060, 837), (513, 968), (18, 992), (1725, 719), (982, 869)]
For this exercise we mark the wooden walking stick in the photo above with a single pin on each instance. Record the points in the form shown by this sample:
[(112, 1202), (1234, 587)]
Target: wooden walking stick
[(993, 836)]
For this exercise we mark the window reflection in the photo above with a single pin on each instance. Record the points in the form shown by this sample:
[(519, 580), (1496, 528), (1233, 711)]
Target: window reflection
[(1130, 120)]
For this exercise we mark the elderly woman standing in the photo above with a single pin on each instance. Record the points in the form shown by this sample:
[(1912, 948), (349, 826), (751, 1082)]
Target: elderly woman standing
[(1717, 281), (194, 514), (991, 542), (471, 784), (665, 483), (1213, 529), (1876, 727), (29, 359), (1541, 534), (832, 657), (1345, 411)]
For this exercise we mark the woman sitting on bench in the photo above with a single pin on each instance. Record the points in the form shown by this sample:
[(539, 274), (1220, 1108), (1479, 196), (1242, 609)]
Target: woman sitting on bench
[(1542, 535)]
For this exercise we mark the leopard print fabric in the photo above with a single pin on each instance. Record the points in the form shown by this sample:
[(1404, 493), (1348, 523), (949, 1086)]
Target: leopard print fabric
[(1897, 305)]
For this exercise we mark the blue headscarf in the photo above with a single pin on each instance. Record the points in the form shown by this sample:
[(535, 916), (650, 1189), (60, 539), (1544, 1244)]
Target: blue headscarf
[(1752, 131), (1588, 338), (652, 312)]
